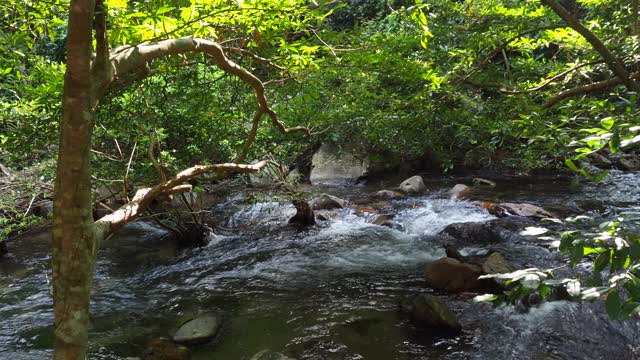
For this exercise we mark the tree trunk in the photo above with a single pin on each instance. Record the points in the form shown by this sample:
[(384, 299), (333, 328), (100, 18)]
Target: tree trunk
[(74, 239)]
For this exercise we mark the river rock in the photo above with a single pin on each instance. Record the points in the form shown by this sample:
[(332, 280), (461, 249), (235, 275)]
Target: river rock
[(294, 176), (484, 233), (526, 210), (432, 313), (453, 253), (389, 194), (413, 185), (496, 264), (197, 331), (483, 182), (304, 214), (165, 349), (452, 275), (460, 191), (600, 160), (260, 179), (630, 162), (328, 202), (270, 355), (44, 208), (333, 166)]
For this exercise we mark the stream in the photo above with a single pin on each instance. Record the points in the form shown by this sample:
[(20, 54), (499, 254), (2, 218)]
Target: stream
[(329, 292)]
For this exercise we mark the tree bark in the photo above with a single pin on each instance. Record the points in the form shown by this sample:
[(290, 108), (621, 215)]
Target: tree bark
[(614, 64), (74, 241)]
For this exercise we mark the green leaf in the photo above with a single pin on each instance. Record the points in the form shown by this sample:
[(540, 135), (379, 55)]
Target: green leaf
[(607, 123), (620, 260), (571, 165), (613, 304), (614, 143), (601, 261), (575, 254), (629, 308), (544, 291)]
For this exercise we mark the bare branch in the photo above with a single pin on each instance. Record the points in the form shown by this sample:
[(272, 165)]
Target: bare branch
[(585, 89), (506, 89), (144, 197)]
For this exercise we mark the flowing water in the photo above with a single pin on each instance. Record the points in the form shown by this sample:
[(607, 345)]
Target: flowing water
[(329, 292)]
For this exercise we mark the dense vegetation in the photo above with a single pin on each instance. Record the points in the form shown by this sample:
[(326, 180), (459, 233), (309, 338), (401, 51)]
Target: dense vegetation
[(506, 84), (474, 84)]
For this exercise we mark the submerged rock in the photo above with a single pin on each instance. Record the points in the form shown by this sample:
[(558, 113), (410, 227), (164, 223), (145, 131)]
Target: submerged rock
[(483, 182), (526, 210), (413, 185), (328, 202), (452, 275), (497, 264), (629, 162), (600, 161), (331, 165), (431, 313), (270, 355), (197, 331), (453, 253), (484, 233), (165, 349), (389, 194), (460, 191), (304, 215)]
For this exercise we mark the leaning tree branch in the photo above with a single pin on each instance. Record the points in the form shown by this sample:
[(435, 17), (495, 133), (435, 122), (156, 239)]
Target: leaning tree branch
[(614, 64), (144, 197), (123, 61), (506, 89), (586, 89)]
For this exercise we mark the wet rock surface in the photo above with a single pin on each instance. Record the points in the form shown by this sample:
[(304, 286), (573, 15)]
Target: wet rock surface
[(332, 165), (198, 330), (452, 275), (328, 202), (432, 314), (413, 186)]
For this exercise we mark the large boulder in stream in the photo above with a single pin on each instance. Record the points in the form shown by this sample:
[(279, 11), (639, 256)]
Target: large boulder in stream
[(332, 165), (198, 331), (328, 202), (460, 191), (452, 275), (413, 185), (484, 233), (431, 313)]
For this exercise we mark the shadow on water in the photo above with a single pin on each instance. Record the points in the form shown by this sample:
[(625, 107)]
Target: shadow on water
[(329, 292)]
